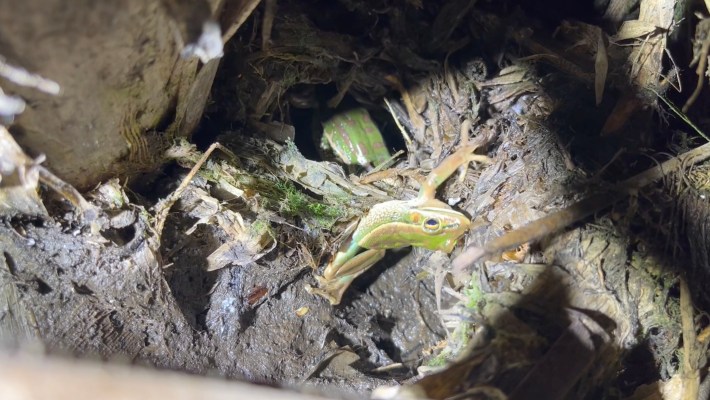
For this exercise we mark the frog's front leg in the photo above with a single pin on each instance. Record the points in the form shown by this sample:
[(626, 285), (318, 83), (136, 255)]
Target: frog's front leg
[(342, 271), (438, 175)]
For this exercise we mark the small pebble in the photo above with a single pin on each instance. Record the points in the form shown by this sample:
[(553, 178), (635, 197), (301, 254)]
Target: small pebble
[(454, 201)]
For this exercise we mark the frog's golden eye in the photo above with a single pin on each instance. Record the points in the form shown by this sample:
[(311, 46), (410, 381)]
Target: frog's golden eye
[(431, 225)]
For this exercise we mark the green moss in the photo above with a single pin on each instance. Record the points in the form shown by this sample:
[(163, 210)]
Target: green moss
[(463, 334), (275, 194), (261, 229), (463, 331), (440, 359), (297, 203), (474, 295), (260, 226)]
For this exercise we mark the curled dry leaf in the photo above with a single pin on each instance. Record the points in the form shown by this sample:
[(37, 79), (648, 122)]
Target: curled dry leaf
[(247, 243), (19, 179)]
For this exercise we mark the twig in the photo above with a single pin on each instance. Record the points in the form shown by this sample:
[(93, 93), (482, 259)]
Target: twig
[(702, 58), (22, 77), (405, 135), (88, 210), (163, 207), (557, 221), (690, 374), (681, 115), (235, 14), (268, 23)]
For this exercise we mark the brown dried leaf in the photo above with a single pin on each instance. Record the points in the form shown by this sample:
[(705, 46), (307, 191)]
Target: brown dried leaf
[(601, 67), (19, 178), (247, 245)]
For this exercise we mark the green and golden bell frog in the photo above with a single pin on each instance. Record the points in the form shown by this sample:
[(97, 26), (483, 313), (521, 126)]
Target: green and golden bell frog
[(422, 221), (353, 137)]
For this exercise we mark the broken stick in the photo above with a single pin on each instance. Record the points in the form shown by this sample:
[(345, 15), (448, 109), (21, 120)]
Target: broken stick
[(557, 221)]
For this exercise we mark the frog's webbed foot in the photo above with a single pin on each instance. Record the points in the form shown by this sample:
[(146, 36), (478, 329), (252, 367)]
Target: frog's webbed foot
[(466, 154), (438, 175), (335, 281), (479, 158), (329, 290)]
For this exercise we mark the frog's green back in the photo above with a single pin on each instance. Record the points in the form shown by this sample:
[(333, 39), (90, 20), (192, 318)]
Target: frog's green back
[(355, 139)]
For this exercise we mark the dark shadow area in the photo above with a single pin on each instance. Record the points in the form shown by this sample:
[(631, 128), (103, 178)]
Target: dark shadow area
[(120, 236), (187, 276), (535, 347), (359, 286)]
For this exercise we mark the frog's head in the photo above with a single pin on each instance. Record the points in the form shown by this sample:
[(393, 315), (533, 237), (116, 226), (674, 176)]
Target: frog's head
[(432, 225), (436, 228)]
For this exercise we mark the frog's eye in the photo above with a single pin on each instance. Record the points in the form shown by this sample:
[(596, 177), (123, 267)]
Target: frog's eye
[(431, 225)]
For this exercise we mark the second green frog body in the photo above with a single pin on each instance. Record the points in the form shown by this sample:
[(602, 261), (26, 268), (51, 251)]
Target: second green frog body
[(354, 137)]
